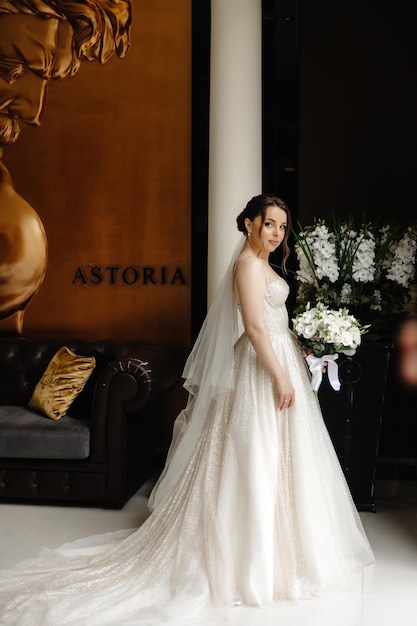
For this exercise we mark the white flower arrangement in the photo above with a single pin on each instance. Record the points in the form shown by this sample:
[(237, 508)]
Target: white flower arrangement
[(326, 332), (366, 269), (402, 269)]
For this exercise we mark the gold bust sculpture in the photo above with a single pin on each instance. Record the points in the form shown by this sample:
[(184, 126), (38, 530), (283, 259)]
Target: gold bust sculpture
[(40, 41)]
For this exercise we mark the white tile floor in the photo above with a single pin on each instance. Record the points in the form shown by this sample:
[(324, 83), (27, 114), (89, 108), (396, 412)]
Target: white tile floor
[(385, 595)]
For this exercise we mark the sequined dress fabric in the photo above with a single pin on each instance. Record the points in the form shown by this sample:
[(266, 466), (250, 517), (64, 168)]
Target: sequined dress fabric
[(262, 515)]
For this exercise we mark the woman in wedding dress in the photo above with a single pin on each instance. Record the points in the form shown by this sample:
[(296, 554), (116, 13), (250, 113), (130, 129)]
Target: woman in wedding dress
[(252, 507)]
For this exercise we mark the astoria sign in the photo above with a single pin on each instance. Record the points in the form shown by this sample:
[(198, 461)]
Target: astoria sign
[(130, 275)]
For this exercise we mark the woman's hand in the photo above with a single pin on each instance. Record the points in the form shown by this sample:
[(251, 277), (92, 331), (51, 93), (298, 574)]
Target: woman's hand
[(284, 393), (307, 351)]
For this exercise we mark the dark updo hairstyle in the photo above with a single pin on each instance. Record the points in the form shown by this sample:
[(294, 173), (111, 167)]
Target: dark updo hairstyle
[(257, 206)]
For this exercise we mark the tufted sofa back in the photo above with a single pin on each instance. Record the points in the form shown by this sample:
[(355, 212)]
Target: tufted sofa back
[(23, 361)]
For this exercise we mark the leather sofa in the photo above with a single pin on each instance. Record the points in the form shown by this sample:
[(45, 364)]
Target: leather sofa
[(114, 435)]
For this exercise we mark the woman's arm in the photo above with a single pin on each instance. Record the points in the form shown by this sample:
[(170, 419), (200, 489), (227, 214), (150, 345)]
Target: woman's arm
[(250, 282)]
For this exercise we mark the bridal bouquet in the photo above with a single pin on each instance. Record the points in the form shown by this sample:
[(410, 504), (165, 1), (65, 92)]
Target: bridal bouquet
[(366, 268), (326, 332)]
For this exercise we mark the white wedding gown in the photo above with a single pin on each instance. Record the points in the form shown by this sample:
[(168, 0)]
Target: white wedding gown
[(261, 515)]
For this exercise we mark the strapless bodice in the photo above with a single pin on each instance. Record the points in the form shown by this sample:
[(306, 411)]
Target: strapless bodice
[(275, 313)]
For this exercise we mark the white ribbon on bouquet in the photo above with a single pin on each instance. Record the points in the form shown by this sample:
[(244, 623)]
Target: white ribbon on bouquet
[(316, 365)]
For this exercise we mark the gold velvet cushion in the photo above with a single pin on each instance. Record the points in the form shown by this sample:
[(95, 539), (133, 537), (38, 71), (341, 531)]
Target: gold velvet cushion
[(62, 381)]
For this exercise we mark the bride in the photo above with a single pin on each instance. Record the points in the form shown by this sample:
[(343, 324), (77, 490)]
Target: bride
[(252, 507)]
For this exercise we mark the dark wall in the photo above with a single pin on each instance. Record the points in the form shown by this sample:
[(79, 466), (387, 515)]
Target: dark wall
[(340, 130), (200, 154), (357, 136), (280, 32), (357, 107)]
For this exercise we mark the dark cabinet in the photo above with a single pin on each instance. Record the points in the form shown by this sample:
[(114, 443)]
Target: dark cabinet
[(353, 417)]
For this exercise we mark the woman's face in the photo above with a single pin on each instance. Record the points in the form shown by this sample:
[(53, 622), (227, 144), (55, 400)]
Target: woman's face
[(269, 235)]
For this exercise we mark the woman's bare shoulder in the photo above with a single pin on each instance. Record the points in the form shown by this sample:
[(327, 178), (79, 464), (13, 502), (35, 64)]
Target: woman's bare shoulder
[(248, 262), (249, 274)]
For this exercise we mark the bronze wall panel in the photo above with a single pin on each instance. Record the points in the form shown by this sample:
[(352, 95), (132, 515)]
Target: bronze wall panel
[(108, 172)]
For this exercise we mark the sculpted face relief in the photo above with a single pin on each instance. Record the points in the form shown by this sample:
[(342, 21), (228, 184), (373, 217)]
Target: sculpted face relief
[(41, 40), (33, 50)]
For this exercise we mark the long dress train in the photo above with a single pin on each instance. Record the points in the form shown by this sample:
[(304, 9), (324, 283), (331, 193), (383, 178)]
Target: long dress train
[(262, 514)]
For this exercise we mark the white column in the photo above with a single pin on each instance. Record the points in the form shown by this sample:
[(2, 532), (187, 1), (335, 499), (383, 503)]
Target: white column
[(235, 152)]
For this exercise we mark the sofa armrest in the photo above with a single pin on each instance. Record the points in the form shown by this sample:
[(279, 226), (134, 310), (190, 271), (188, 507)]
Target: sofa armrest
[(130, 384), (130, 378)]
